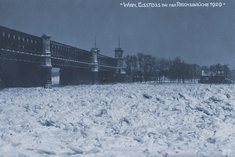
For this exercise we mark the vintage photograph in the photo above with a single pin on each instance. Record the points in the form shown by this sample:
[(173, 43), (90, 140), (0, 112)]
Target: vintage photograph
[(110, 78)]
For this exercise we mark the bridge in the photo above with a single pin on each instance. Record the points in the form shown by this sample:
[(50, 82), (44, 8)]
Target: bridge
[(27, 60)]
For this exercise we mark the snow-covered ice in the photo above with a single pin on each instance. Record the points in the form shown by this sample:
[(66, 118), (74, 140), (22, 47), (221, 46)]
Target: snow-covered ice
[(118, 120)]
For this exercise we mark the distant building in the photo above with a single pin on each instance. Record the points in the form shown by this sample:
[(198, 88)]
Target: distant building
[(218, 76)]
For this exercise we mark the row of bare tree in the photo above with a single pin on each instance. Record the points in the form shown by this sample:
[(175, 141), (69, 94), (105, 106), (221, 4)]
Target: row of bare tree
[(143, 67)]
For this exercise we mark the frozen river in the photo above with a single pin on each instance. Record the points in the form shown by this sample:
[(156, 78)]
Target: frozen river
[(118, 120)]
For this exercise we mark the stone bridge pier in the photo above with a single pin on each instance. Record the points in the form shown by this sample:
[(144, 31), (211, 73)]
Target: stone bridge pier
[(46, 61), (95, 67)]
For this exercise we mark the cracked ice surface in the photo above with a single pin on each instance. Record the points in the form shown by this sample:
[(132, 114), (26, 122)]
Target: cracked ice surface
[(118, 120)]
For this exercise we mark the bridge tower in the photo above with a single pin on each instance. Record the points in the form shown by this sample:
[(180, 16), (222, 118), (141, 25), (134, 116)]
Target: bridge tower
[(46, 60), (119, 57), (95, 67)]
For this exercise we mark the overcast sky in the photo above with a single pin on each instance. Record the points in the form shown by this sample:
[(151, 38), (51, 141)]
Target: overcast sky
[(197, 35)]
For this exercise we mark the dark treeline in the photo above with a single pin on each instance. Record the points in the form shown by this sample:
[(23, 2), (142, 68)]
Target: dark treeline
[(143, 67)]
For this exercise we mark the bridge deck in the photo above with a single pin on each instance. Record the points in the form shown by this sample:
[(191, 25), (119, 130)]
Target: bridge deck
[(22, 47)]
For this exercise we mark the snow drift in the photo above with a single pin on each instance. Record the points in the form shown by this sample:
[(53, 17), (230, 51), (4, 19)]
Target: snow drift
[(118, 120)]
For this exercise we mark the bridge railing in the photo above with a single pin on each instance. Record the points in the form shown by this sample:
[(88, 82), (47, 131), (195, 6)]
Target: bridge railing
[(19, 41), (21, 46), (69, 56), (106, 62)]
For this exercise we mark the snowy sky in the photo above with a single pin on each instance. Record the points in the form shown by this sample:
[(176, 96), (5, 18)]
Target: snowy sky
[(197, 35)]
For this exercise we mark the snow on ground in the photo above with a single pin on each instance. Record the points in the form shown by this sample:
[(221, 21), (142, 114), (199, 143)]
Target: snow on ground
[(118, 120)]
